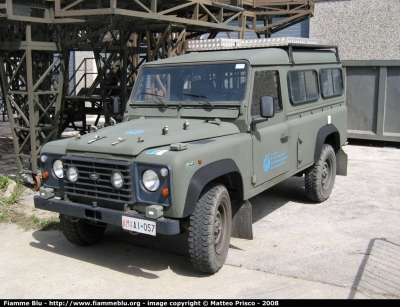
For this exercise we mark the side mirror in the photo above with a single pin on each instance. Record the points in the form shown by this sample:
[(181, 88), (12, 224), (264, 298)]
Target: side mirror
[(267, 107)]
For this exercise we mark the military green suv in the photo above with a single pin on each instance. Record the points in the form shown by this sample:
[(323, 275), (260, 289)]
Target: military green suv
[(202, 134)]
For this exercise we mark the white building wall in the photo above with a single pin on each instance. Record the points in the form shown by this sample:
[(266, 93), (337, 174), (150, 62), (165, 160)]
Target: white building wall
[(88, 70), (363, 29)]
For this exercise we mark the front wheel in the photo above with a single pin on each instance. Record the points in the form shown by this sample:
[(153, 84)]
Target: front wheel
[(80, 231), (210, 229), (320, 177)]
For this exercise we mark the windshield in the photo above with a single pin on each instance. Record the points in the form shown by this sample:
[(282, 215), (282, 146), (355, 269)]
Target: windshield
[(207, 84)]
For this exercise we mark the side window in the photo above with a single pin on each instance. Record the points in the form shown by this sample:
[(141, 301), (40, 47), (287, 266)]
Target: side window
[(266, 83), (331, 82), (303, 86)]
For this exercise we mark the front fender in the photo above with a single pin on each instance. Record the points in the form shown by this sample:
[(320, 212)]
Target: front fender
[(203, 176)]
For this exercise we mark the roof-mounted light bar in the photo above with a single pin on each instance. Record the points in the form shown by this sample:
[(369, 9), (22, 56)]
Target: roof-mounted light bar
[(229, 43)]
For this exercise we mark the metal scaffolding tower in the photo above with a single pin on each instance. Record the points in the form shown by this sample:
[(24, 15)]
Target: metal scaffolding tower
[(38, 36)]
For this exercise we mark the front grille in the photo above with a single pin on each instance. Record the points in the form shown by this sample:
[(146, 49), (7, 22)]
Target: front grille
[(100, 189)]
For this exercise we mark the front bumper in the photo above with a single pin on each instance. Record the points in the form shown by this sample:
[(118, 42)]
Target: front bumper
[(163, 226)]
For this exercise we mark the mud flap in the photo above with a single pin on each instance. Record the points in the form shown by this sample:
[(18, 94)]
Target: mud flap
[(341, 163), (242, 226)]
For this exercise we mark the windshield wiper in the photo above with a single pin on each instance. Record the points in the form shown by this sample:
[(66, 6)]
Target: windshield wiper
[(158, 97), (200, 96)]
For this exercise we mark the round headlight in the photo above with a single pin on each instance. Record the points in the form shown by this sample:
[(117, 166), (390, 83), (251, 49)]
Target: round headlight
[(43, 158), (150, 180), (164, 172), (117, 180), (58, 169), (72, 174)]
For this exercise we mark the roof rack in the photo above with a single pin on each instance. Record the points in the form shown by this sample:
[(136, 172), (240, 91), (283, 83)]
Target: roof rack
[(232, 44)]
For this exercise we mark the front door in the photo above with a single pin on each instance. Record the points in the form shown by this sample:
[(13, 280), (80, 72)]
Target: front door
[(270, 137)]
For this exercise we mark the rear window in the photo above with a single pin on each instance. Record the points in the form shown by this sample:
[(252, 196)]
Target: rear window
[(331, 82), (303, 86)]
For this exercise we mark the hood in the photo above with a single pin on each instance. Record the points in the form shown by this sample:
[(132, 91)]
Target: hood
[(150, 133)]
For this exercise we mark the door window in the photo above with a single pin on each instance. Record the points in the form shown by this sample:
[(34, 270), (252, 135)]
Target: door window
[(266, 83)]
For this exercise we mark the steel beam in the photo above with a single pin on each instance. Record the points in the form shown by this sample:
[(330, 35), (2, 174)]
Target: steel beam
[(37, 36)]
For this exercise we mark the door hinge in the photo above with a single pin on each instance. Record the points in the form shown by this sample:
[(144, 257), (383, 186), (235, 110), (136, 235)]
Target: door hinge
[(253, 179)]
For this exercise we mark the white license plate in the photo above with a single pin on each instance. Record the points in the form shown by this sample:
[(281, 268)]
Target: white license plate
[(138, 225)]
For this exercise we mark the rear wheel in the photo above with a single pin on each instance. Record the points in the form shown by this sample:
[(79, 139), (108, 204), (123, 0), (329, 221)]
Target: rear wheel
[(320, 178), (80, 231), (210, 229)]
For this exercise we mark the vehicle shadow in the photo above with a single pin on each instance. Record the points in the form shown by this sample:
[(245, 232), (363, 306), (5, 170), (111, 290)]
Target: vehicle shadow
[(143, 256), (291, 189)]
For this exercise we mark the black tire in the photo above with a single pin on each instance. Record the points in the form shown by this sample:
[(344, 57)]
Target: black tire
[(80, 231), (210, 229), (320, 178)]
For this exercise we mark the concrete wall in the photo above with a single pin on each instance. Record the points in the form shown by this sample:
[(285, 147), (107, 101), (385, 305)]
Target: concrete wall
[(363, 29)]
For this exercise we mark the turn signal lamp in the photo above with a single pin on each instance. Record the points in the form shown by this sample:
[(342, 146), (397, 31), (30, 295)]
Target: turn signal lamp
[(45, 174), (165, 192)]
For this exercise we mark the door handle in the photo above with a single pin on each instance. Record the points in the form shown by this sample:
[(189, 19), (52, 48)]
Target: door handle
[(284, 139)]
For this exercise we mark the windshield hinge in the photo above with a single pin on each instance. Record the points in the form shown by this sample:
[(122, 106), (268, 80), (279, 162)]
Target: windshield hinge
[(96, 138), (119, 140), (216, 121)]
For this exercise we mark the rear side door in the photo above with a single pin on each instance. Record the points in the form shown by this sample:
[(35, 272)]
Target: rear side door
[(270, 137)]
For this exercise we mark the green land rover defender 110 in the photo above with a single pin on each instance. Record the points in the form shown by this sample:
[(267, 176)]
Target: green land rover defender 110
[(202, 134)]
